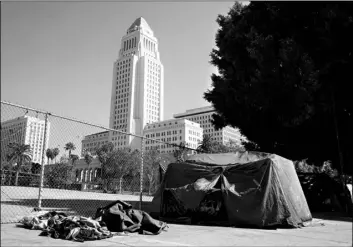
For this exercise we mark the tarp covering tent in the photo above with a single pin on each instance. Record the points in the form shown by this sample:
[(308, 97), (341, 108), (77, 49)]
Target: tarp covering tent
[(240, 189)]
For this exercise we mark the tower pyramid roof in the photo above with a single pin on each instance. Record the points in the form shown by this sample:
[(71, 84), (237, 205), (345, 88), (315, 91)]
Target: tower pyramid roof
[(141, 23)]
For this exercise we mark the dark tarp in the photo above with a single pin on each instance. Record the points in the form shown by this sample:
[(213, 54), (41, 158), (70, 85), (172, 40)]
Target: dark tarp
[(120, 217), (241, 189)]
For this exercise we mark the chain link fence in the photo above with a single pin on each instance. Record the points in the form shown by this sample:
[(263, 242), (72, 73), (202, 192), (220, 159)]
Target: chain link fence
[(58, 163)]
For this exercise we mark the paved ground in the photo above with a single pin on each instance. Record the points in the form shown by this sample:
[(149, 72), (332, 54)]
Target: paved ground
[(333, 233), (17, 201)]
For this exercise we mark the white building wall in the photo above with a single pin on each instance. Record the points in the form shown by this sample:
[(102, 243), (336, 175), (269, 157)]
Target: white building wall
[(139, 48), (91, 142), (173, 131), (203, 116), (26, 130)]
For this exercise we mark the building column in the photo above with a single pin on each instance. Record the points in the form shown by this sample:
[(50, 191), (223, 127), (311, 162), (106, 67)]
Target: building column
[(95, 173), (86, 175), (90, 175), (81, 175)]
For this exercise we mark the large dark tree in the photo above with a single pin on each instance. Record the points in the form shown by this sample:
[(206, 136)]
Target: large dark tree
[(284, 77)]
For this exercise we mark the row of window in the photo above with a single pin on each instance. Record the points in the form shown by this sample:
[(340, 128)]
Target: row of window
[(122, 66), (120, 143), (121, 127), (128, 44), (151, 46), (121, 137), (164, 133), (120, 121), (94, 144), (121, 106), (120, 111), (126, 61), (121, 116), (191, 132), (122, 93), (122, 86)]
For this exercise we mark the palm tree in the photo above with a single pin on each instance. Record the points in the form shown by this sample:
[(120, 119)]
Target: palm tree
[(74, 158), (49, 154), (206, 145), (19, 153), (70, 146), (56, 152)]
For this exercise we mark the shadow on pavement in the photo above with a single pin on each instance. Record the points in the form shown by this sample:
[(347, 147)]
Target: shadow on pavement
[(80, 207), (336, 216)]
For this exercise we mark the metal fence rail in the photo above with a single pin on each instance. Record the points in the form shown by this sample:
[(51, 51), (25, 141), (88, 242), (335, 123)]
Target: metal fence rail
[(59, 163)]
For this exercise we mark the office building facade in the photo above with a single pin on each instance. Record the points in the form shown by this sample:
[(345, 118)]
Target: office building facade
[(203, 116), (173, 131), (25, 130), (137, 88)]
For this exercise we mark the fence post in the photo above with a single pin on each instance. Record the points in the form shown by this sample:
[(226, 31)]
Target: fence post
[(141, 173), (42, 163)]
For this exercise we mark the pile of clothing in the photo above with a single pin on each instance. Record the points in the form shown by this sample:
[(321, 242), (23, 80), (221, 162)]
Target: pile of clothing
[(59, 225), (115, 219)]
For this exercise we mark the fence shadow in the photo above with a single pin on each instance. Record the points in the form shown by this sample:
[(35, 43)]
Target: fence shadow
[(82, 207)]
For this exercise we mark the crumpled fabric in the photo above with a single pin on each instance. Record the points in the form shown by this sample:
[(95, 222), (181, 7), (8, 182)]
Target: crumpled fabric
[(60, 226), (119, 216), (37, 220)]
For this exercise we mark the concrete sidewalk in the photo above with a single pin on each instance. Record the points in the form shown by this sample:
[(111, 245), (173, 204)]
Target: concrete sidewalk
[(333, 233)]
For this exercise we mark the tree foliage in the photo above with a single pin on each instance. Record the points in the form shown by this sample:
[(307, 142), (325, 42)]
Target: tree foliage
[(151, 160), (302, 166), (70, 146), (181, 152), (209, 145), (56, 152), (284, 73), (116, 164), (58, 175), (74, 158), (19, 155), (49, 153), (88, 157)]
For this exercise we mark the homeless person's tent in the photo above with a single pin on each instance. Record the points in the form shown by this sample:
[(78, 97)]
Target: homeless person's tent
[(240, 189)]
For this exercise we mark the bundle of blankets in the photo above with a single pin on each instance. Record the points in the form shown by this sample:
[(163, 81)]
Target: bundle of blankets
[(115, 219)]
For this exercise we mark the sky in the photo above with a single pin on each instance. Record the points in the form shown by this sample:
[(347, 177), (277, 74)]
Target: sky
[(59, 56)]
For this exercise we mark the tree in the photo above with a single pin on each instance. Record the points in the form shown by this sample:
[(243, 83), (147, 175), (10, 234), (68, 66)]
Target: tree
[(103, 153), (58, 176), (281, 72), (88, 158), (19, 154), (74, 158), (119, 164), (234, 146), (56, 152), (35, 168), (69, 147), (208, 145), (181, 152), (151, 160), (49, 154)]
